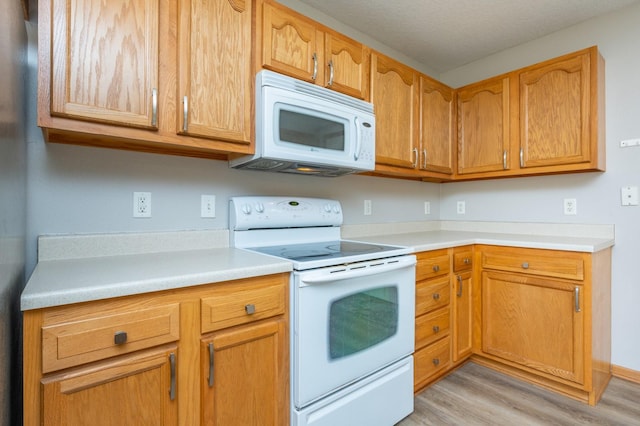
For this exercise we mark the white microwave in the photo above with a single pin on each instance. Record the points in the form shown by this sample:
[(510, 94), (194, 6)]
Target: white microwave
[(307, 129)]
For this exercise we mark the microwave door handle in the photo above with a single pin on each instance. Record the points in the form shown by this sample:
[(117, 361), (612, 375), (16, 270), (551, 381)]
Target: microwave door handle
[(356, 154), (355, 273)]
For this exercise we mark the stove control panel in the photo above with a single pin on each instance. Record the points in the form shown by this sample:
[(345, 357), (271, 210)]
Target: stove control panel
[(258, 212)]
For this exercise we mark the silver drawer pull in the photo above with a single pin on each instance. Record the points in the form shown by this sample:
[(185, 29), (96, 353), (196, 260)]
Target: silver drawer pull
[(436, 328), (436, 296), (436, 361), (250, 309), (120, 338), (436, 268), (466, 261), (525, 265)]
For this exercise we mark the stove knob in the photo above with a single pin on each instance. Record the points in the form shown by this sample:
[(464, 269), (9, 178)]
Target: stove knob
[(327, 208), (246, 209), (259, 207), (336, 209)]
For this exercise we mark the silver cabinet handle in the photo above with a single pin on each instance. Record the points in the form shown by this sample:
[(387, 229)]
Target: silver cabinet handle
[(250, 309), (504, 160), (436, 268), (521, 157), (172, 387), (120, 338), (436, 329), (210, 365), (436, 361), (459, 293), (154, 107), (466, 261), (185, 113), (315, 67), (424, 159), (415, 157), (436, 296), (576, 297), (525, 265), (330, 73)]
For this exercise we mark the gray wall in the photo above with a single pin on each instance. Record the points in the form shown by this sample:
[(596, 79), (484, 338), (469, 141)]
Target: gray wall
[(87, 190), (12, 207), (540, 199)]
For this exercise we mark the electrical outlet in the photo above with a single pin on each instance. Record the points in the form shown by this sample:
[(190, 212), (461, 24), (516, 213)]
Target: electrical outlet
[(207, 206), (461, 207), (141, 204), (427, 207), (570, 206), (367, 207)]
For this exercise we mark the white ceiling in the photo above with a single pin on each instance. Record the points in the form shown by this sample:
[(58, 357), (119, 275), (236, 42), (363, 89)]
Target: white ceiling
[(446, 34)]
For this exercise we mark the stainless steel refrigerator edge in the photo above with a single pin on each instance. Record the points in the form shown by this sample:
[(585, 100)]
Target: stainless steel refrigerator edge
[(13, 146)]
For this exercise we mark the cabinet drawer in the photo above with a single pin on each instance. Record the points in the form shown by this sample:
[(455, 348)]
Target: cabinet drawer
[(430, 360), (462, 260), (432, 294), (432, 265), (242, 303), (431, 327), (104, 335), (569, 265)]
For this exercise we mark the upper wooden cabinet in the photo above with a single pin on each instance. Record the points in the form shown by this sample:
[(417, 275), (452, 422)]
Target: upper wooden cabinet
[(105, 61), (107, 75), (215, 71), (542, 119), (559, 112), (394, 93), (437, 126), (483, 126), (299, 47)]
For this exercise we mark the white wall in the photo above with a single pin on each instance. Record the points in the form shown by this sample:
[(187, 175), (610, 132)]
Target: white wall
[(539, 199)]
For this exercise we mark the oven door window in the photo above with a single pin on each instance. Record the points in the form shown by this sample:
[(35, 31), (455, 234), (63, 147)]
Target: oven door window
[(362, 320), (311, 130)]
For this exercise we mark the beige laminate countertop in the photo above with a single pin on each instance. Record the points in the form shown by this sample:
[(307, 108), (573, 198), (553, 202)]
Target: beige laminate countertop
[(60, 280)]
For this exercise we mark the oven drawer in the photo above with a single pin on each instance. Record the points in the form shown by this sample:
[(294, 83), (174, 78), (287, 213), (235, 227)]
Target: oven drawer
[(430, 360), (243, 302), (108, 332), (431, 327), (432, 294), (433, 264)]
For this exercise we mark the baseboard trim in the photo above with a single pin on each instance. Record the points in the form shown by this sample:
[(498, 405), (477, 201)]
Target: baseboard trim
[(626, 373)]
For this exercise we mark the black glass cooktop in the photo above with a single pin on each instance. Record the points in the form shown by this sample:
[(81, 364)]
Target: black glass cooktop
[(323, 250)]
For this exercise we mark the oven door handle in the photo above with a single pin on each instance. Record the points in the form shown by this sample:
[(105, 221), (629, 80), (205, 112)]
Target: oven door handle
[(357, 272)]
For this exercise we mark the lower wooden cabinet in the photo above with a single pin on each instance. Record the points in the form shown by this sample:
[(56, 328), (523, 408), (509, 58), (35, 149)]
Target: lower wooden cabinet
[(546, 317), (244, 383), (163, 358), (444, 312), (135, 389)]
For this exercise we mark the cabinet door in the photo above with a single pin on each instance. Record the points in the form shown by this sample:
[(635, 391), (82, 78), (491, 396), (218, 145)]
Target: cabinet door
[(105, 61), (483, 126), (555, 113), (437, 126), (347, 63), (291, 44), (394, 93), (215, 69), (134, 390), (245, 376), (462, 315), (537, 323)]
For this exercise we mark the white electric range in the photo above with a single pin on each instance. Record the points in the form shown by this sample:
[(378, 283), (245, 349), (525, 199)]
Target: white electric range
[(352, 311)]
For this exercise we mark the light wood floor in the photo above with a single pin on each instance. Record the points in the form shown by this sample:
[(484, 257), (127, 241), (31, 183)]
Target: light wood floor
[(476, 395)]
